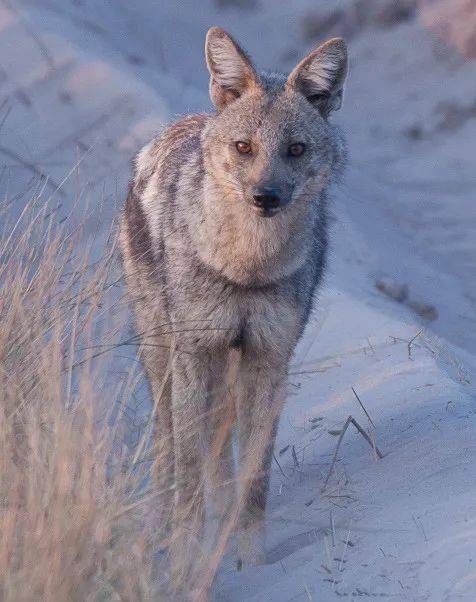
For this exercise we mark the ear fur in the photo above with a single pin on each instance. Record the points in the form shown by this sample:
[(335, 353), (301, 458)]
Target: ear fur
[(231, 71), (320, 76)]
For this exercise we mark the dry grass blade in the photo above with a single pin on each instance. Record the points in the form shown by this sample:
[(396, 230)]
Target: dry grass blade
[(363, 407), (279, 465), (70, 528), (350, 420), (411, 341)]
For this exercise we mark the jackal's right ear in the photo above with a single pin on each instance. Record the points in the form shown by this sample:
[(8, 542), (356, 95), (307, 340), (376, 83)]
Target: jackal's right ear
[(320, 76), (231, 71)]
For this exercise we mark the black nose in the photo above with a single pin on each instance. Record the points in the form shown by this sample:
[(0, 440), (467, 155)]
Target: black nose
[(266, 200)]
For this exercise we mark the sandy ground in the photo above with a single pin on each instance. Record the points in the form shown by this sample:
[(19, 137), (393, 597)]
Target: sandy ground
[(83, 84)]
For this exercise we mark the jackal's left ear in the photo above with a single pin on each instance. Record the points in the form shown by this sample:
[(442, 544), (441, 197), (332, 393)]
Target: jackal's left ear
[(231, 71), (320, 76)]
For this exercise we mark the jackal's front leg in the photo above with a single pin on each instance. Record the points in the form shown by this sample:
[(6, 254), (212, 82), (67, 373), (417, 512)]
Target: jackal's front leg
[(259, 406), (190, 388), (221, 419)]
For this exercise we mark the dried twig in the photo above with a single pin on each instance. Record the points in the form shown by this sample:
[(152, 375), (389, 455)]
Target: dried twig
[(331, 518), (284, 449), (295, 458), (5, 117), (279, 465), (350, 420), (308, 593), (420, 527), (344, 550), (370, 345), (409, 346), (363, 407)]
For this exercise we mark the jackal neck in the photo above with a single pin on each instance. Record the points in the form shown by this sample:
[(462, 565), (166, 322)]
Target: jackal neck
[(244, 247)]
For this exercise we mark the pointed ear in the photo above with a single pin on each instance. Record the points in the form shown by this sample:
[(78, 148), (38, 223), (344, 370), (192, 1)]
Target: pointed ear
[(231, 71), (320, 76)]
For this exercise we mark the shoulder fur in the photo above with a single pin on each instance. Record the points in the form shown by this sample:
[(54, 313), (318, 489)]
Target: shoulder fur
[(157, 153)]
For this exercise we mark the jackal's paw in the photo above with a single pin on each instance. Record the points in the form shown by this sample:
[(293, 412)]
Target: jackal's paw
[(251, 550)]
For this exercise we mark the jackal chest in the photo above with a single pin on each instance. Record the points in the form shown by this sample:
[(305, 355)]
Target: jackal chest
[(230, 317)]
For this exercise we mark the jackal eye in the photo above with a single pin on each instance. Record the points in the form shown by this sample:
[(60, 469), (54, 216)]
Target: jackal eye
[(244, 148), (296, 149)]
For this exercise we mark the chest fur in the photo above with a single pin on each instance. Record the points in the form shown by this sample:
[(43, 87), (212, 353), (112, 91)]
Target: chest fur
[(226, 316), (248, 249)]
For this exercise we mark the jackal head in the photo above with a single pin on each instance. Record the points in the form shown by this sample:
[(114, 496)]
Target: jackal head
[(271, 145)]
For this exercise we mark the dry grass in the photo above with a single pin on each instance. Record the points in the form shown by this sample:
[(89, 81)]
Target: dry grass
[(79, 513), (72, 507)]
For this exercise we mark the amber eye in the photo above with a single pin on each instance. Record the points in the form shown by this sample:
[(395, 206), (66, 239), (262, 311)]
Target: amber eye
[(296, 149), (243, 148)]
